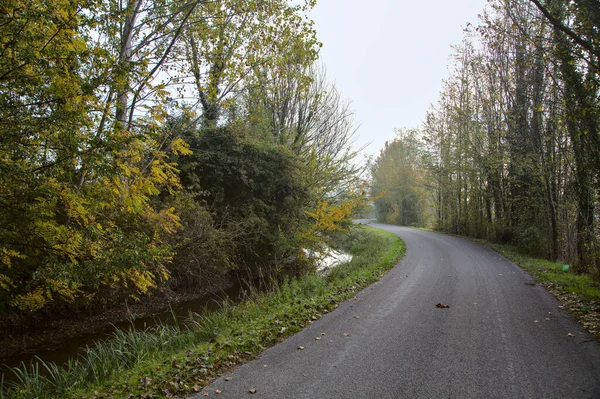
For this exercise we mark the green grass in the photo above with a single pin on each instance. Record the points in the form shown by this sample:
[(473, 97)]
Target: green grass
[(578, 293), (170, 360), (551, 273)]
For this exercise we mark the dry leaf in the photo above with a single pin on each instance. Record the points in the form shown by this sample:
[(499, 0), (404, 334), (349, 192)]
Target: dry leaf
[(570, 335), (346, 334), (300, 347), (442, 306), (196, 388), (227, 378), (252, 390), (146, 381), (317, 338), (217, 391), (205, 394)]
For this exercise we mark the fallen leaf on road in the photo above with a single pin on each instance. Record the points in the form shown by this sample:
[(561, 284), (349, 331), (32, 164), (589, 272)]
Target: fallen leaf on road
[(317, 338), (227, 378), (346, 334), (217, 391), (547, 319), (442, 306), (300, 347), (570, 335), (357, 317), (205, 394), (536, 321), (252, 390), (323, 334), (196, 388)]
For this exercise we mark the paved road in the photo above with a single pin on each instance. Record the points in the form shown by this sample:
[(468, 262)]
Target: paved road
[(500, 338)]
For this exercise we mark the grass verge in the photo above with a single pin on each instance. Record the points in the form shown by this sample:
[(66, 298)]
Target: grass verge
[(577, 293), (168, 361)]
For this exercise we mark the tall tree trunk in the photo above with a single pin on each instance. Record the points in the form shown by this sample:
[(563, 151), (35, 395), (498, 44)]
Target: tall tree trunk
[(125, 54), (580, 123)]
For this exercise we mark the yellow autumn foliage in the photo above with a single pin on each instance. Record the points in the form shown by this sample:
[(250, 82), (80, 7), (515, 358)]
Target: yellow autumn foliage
[(333, 216)]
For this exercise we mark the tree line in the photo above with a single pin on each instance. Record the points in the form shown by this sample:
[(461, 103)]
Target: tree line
[(511, 151), (151, 145)]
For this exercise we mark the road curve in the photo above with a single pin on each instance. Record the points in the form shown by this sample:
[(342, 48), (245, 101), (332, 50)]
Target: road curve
[(500, 338)]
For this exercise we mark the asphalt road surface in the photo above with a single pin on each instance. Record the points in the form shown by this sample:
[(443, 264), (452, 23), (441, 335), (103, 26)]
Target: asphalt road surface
[(500, 338)]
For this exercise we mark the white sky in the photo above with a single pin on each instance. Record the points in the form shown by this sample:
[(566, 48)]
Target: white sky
[(388, 57)]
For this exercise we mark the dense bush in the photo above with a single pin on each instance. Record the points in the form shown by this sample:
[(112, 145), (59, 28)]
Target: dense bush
[(241, 209)]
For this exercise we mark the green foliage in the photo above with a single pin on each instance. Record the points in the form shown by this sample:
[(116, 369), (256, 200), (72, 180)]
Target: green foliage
[(512, 144), (88, 178), (205, 250), (254, 189), (398, 184), (147, 362), (75, 207), (232, 42), (94, 208)]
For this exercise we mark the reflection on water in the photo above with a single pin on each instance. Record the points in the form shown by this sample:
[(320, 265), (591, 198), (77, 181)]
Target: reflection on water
[(75, 346), (327, 259)]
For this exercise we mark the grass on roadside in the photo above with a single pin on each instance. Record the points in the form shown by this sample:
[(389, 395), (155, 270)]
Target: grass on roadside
[(168, 360), (578, 293)]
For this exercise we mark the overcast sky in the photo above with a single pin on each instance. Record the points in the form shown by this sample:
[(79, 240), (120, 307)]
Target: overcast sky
[(388, 57)]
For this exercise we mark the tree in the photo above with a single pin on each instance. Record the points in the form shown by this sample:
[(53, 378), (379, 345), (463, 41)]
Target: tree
[(397, 181), (230, 42), (512, 143), (85, 94)]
